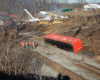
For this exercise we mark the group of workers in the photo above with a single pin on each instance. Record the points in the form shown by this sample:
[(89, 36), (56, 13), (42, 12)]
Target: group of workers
[(29, 44)]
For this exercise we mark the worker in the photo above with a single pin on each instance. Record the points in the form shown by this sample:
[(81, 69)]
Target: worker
[(22, 44), (26, 44), (33, 45), (4, 19), (13, 22), (29, 44)]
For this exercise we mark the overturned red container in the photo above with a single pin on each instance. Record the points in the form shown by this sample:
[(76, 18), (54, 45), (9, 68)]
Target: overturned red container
[(65, 42)]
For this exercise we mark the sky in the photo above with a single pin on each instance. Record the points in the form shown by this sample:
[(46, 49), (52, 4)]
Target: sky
[(89, 1)]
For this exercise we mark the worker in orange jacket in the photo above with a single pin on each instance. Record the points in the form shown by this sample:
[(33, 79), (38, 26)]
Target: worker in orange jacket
[(22, 44), (26, 44), (33, 44)]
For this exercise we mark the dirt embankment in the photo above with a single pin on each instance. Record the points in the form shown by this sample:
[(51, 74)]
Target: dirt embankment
[(88, 29)]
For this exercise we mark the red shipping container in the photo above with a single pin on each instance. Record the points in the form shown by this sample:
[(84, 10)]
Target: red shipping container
[(75, 42)]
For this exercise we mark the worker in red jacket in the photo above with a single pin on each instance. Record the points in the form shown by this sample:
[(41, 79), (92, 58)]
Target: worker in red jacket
[(29, 44)]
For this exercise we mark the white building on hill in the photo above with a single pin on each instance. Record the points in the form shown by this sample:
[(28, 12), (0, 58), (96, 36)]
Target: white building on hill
[(91, 6)]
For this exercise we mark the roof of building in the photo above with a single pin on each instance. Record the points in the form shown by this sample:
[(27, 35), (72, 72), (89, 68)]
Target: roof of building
[(92, 6)]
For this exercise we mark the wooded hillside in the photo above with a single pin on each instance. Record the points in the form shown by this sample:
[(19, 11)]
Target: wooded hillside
[(34, 6)]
